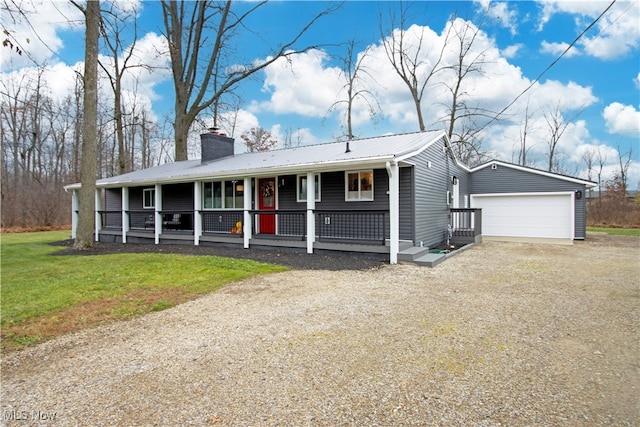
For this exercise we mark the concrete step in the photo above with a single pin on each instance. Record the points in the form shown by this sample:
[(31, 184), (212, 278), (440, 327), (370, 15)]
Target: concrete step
[(411, 253), (429, 260)]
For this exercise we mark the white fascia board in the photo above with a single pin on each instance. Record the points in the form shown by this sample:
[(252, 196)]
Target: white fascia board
[(447, 144), (552, 193), (588, 184)]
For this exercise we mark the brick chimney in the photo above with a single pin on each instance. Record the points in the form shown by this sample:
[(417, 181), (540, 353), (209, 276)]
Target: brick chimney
[(215, 145)]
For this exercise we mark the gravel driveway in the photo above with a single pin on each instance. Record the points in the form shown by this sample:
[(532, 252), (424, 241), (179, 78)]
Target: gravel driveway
[(501, 334)]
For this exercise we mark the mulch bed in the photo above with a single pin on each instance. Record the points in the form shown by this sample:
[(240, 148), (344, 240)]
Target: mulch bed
[(291, 258)]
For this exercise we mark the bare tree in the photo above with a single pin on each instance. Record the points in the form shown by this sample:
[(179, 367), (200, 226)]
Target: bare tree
[(197, 63), (86, 194), (557, 125), (602, 160), (588, 157), (352, 68), (292, 138), (464, 119), (409, 60), (258, 139), (624, 160), (115, 23)]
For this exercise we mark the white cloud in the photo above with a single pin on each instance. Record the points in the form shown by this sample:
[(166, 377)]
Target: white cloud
[(500, 12), (636, 81), (301, 85), (511, 51), (622, 119), (615, 35), (556, 49), (34, 29)]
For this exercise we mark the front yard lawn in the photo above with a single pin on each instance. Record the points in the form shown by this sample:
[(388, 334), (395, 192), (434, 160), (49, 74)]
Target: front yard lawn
[(44, 296)]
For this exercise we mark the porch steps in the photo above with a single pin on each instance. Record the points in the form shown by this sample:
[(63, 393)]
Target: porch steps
[(420, 256)]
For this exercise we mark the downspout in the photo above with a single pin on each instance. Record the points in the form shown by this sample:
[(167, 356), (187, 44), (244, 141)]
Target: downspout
[(394, 210)]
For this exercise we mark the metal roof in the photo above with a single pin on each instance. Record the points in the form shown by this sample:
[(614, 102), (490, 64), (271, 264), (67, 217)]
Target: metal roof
[(587, 183), (312, 158)]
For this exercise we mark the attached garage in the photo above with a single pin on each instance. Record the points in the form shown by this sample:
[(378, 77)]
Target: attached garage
[(534, 215), (522, 202)]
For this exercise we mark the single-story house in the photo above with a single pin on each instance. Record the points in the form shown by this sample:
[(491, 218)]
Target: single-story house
[(395, 195)]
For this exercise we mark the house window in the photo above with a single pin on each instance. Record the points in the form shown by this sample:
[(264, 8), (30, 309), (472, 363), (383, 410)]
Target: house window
[(149, 198), (223, 195), (359, 185), (302, 187)]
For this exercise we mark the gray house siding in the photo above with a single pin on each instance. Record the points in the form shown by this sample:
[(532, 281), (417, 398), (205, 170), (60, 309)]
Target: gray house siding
[(407, 216), (508, 180), (112, 203), (430, 189)]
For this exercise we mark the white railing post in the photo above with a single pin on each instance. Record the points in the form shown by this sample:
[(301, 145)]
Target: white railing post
[(311, 206), (125, 213), (394, 211), (197, 218), (75, 206), (98, 216), (158, 212), (247, 226)]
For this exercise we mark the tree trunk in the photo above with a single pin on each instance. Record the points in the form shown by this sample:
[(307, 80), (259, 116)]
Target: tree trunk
[(88, 167)]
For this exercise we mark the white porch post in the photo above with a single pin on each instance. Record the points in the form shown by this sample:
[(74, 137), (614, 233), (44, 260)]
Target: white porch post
[(158, 212), (311, 205), (98, 217), (125, 213), (197, 206), (394, 211), (75, 205), (247, 227)]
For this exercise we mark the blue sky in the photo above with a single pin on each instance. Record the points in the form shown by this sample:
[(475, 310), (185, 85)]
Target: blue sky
[(595, 86)]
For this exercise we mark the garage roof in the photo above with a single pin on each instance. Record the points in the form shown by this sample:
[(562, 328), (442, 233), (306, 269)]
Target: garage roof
[(588, 184)]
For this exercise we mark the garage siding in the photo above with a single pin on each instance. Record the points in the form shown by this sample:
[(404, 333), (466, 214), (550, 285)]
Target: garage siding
[(505, 179)]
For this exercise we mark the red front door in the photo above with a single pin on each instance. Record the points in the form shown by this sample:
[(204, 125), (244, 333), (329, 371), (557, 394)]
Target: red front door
[(267, 202)]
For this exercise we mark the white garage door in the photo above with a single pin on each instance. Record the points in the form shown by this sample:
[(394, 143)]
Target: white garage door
[(539, 215)]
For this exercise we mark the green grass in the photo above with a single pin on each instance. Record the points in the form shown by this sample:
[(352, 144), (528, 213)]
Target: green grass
[(40, 291), (617, 231)]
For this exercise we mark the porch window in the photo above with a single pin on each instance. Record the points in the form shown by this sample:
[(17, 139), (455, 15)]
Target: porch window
[(359, 185), (302, 187), (223, 195), (149, 198), (212, 195)]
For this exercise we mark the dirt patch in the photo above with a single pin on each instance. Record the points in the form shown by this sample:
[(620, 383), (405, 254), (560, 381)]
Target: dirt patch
[(91, 314)]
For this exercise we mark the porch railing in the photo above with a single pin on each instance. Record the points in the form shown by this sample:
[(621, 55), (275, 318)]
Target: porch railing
[(142, 220), (111, 219), (287, 223), (224, 222), (466, 224), (172, 220), (362, 226), (365, 227)]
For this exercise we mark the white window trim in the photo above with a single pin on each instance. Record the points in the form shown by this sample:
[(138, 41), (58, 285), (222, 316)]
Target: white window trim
[(153, 198), (360, 198), (317, 187), (223, 202)]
